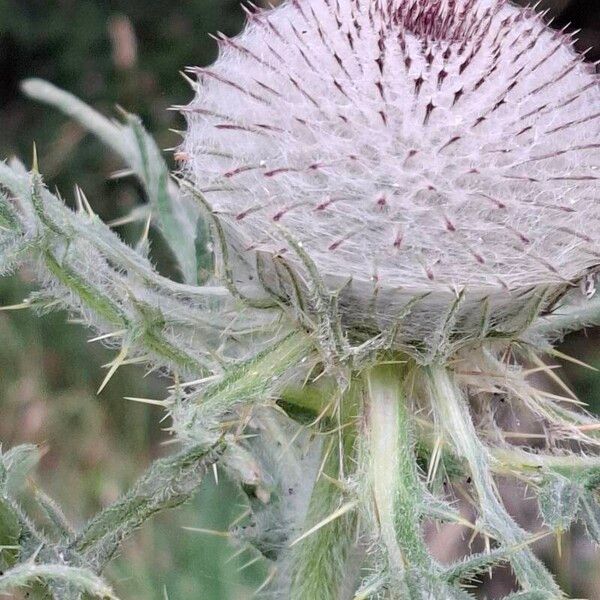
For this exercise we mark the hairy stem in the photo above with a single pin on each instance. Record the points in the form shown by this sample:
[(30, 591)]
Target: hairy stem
[(168, 483), (452, 413), (397, 493), (320, 562), (255, 378)]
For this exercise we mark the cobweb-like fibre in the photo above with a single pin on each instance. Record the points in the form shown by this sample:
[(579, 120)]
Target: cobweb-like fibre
[(423, 144)]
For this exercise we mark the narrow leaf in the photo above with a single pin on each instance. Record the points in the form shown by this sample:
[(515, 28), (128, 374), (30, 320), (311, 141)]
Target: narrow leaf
[(18, 463), (168, 483), (82, 579), (590, 515), (559, 501), (175, 214)]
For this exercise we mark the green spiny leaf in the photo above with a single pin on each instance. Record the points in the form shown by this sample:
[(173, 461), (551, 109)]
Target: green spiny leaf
[(590, 515), (8, 217), (168, 483), (28, 573), (175, 215), (10, 533), (17, 464), (54, 514), (559, 501), (90, 296)]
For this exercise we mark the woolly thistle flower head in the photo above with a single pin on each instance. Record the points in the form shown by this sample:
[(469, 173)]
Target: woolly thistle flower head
[(414, 146)]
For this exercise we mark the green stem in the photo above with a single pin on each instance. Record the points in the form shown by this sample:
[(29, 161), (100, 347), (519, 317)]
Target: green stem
[(257, 377), (168, 483), (394, 485), (393, 471), (321, 563), (452, 413)]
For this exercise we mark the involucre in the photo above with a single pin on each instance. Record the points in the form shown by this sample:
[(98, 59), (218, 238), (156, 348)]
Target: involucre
[(414, 147)]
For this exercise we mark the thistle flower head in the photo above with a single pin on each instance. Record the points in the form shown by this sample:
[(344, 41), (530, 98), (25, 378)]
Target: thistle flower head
[(415, 146)]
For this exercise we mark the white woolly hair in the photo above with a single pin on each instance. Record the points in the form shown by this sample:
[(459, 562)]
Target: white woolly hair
[(424, 145)]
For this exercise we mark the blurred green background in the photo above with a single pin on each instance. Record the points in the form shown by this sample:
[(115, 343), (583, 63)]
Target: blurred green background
[(127, 53), (130, 53)]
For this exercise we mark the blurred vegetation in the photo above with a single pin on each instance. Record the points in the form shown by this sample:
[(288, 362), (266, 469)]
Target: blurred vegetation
[(108, 53), (130, 53)]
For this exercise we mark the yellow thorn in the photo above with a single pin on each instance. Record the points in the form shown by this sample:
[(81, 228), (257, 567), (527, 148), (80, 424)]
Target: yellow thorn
[(121, 174), (23, 304), (459, 520), (195, 382), (121, 111), (571, 359), (523, 435), (170, 442), (560, 398), (322, 414), (559, 542), (266, 582), (78, 199), (223, 534), (146, 230), (115, 365), (35, 165), (31, 560), (548, 369), (249, 563), (215, 473), (434, 461), (589, 427), (132, 217), (240, 518), (189, 80), (325, 458), (106, 336), (237, 553), (147, 401), (83, 202), (472, 538), (130, 361), (332, 517)]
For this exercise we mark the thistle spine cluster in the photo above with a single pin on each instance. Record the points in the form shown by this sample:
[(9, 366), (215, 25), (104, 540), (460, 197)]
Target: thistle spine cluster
[(411, 146)]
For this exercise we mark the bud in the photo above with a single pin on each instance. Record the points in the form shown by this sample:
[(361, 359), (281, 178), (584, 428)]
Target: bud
[(416, 147)]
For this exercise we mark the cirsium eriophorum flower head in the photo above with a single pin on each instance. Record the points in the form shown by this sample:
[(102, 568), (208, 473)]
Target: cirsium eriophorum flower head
[(412, 145)]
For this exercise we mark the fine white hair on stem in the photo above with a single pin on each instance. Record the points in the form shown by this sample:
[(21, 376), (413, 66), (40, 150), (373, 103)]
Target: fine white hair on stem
[(413, 145)]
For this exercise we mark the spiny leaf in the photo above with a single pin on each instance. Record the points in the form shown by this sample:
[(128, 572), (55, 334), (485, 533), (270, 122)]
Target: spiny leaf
[(82, 579), (168, 483), (177, 219), (17, 464), (589, 514), (559, 501), (175, 215), (8, 217), (255, 377), (10, 533), (54, 514), (475, 564), (91, 296)]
